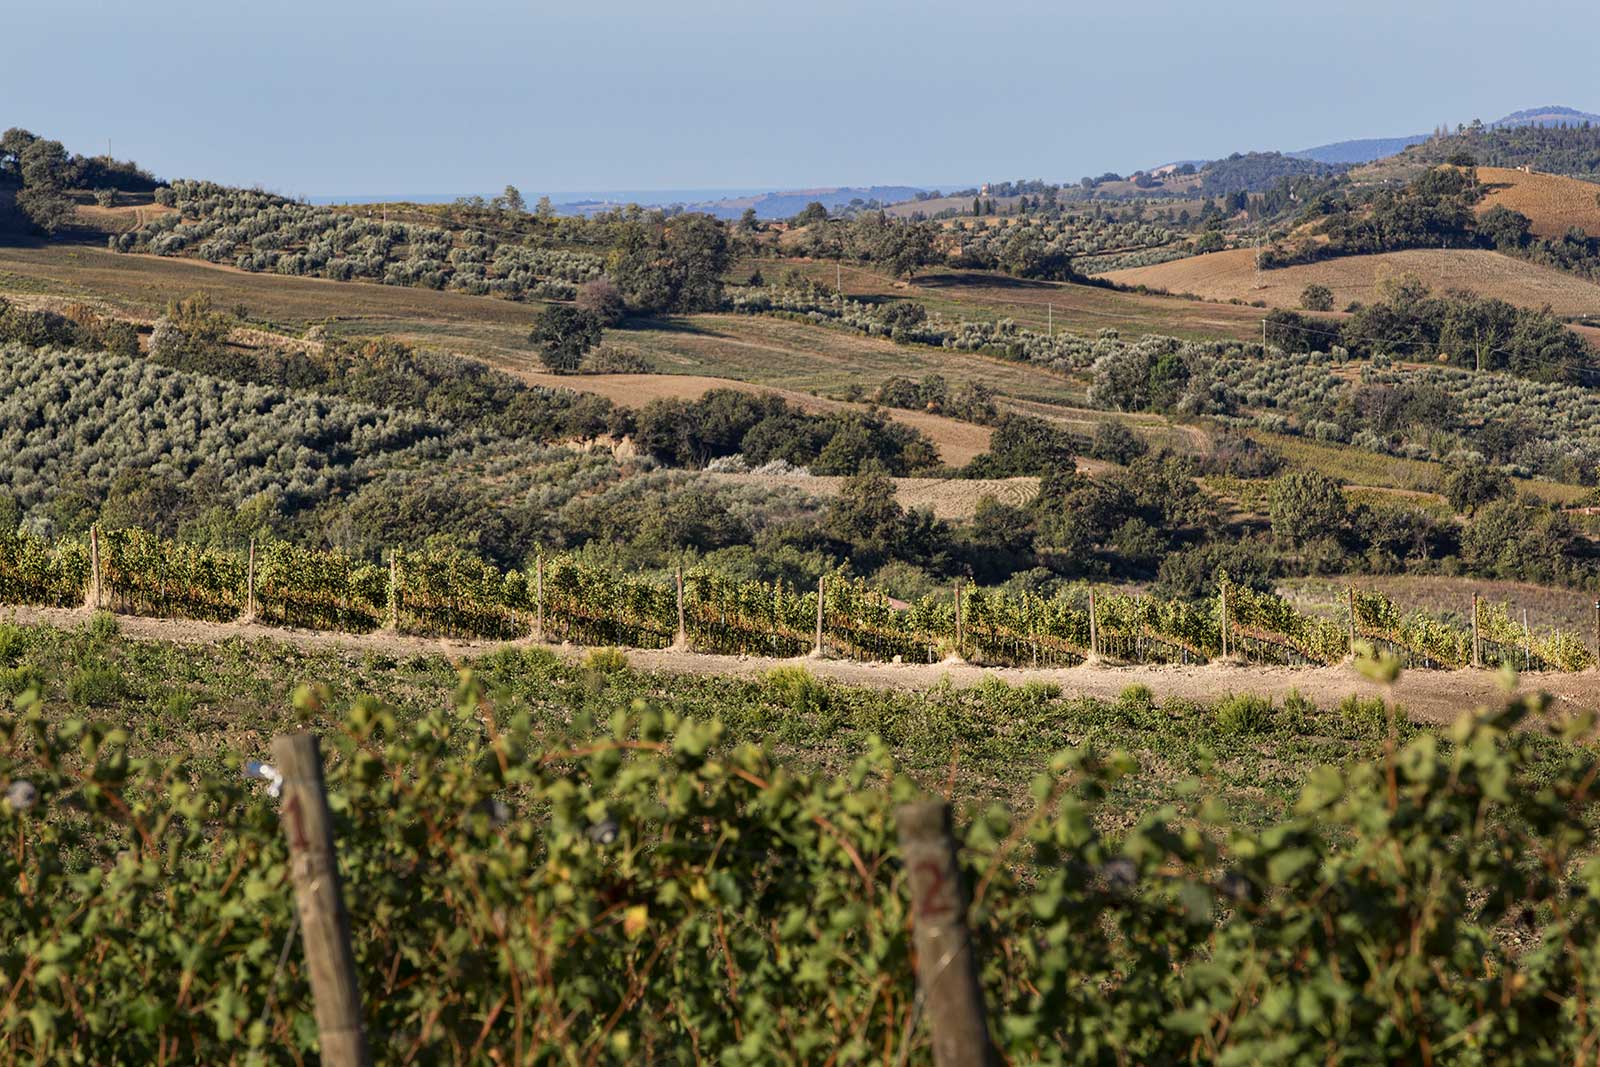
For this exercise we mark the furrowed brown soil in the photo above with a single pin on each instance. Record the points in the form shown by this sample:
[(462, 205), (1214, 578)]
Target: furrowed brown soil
[(1081, 309), (1233, 275), (143, 285), (1552, 203), (947, 498)]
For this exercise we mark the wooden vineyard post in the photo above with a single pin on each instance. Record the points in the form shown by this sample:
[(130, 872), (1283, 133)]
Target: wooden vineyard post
[(324, 924), (947, 971), (250, 584), (1527, 643), (682, 640), (1224, 588), (1597, 633), (538, 600), (1094, 626), (960, 635), (1350, 593), (817, 649), (394, 590), (1477, 658), (95, 587)]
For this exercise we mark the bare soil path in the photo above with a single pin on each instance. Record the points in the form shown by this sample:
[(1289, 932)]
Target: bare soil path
[(1429, 696)]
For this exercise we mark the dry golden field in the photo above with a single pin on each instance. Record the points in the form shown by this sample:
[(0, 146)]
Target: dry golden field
[(1552, 203), (1035, 304), (1233, 275), (958, 442), (947, 498)]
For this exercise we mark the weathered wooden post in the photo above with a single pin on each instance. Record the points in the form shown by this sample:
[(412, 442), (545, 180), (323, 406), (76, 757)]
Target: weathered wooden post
[(817, 649), (1527, 643), (250, 584), (947, 970), (682, 640), (1350, 594), (324, 924), (394, 590), (538, 599), (960, 630), (1224, 588), (1094, 626), (94, 568), (1477, 658)]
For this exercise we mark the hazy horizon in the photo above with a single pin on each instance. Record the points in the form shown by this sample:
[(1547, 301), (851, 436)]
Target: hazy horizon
[(327, 101)]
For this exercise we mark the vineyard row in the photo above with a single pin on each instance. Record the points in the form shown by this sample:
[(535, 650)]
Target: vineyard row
[(561, 598)]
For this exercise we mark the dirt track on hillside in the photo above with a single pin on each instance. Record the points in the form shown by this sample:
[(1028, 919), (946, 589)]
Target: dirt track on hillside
[(1432, 696)]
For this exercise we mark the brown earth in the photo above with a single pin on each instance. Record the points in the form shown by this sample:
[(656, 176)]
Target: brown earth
[(947, 498), (1552, 203), (1429, 696), (958, 442), (1233, 275)]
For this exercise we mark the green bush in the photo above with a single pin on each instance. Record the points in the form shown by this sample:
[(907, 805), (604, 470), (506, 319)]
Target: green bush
[(95, 684), (797, 689), (606, 660), (1244, 713)]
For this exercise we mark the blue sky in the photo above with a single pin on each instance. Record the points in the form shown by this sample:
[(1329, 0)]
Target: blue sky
[(397, 96)]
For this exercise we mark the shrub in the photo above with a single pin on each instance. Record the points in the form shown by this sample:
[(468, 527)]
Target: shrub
[(564, 334), (95, 684), (1243, 713), (606, 660), (798, 689), (1316, 298)]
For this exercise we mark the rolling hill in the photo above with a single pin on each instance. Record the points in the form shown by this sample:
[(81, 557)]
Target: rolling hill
[(1363, 150), (1552, 203), (1233, 276)]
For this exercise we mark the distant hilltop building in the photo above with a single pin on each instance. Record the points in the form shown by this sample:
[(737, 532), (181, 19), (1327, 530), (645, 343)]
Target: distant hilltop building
[(984, 189)]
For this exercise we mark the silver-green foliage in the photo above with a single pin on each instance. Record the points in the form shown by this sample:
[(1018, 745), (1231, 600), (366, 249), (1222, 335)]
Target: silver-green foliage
[(260, 232), (75, 419)]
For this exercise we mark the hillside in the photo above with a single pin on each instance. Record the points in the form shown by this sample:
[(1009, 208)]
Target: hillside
[(1233, 276), (1363, 150), (1553, 115), (1552, 203), (1573, 151), (767, 205)]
